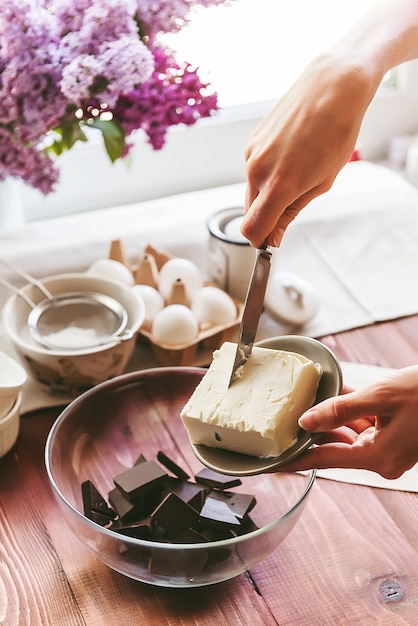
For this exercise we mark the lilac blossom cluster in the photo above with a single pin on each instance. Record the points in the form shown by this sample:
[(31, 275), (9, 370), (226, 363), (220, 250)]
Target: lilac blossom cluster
[(68, 64), (173, 95)]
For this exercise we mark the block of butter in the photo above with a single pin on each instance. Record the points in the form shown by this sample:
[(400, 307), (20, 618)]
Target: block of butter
[(258, 413)]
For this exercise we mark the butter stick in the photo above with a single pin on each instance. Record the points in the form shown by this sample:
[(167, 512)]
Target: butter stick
[(258, 413)]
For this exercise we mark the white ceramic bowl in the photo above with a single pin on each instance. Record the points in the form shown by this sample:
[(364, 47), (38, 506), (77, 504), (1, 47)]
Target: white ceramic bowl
[(12, 378), (73, 371), (9, 426)]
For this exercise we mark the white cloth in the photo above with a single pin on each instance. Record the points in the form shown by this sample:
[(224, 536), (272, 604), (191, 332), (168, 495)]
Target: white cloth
[(356, 244)]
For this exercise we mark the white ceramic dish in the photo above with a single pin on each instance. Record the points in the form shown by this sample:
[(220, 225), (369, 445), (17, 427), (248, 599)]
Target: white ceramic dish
[(71, 372)]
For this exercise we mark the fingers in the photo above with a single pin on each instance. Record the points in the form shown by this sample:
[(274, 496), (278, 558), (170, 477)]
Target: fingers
[(396, 394), (346, 456), (348, 408), (327, 455), (266, 219), (267, 222)]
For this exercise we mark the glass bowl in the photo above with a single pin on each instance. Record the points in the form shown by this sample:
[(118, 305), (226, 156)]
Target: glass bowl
[(103, 433)]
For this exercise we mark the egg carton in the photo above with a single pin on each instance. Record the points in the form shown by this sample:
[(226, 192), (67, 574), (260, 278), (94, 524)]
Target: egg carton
[(197, 352)]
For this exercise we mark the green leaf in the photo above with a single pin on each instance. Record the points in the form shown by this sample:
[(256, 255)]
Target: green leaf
[(113, 137), (72, 132), (65, 137)]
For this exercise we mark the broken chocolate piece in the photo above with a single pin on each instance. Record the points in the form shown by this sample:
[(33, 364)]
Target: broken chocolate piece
[(217, 512), (98, 518), (172, 466), (95, 506), (191, 536), (189, 492), (247, 526), (208, 477), (165, 563), (218, 533), (127, 510), (175, 515), (240, 504), (139, 530), (139, 479)]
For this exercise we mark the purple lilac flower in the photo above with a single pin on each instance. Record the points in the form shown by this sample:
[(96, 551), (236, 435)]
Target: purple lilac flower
[(28, 162), (118, 66), (29, 93), (103, 21), (60, 55), (173, 95), (167, 16)]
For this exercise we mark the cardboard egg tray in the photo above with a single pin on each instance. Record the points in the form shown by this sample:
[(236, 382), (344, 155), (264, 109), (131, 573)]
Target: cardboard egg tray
[(197, 352)]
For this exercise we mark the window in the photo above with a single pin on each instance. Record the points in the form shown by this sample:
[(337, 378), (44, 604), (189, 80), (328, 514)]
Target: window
[(251, 52)]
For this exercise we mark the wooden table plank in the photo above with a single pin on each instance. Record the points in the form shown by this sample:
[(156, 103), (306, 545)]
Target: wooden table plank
[(34, 586), (388, 344), (356, 547)]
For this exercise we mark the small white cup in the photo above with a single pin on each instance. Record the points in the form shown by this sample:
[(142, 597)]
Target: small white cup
[(12, 378), (231, 257), (9, 426)]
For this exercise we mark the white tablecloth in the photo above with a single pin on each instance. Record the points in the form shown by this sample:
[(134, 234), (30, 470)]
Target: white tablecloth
[(357, 245)]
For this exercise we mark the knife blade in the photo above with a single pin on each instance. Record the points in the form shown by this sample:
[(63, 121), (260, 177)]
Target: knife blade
[(253, 307)]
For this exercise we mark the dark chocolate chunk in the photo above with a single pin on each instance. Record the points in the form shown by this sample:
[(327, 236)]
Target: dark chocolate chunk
[(240, 504), (165, 563), (172, 466), (247, 526), (141, 529), (217, 533), (208, 477), (126, 509), (98, 518), (94, 504), (216, 512), (139, 479), (175, 515), (191, 536), (189, 492)]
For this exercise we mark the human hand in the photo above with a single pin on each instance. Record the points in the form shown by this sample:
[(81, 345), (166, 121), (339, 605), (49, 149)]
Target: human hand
[(296, 152), (375, 428)]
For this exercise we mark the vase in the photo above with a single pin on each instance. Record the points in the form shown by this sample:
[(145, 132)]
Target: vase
[(12, 214)]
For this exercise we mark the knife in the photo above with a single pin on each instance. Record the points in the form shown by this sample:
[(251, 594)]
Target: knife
[(253, 307)]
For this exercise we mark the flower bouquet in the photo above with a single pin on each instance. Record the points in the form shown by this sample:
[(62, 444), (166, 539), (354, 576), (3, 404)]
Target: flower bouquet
[(70, 65)]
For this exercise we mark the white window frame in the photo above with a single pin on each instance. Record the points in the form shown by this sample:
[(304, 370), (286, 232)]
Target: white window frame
[(208, 154)]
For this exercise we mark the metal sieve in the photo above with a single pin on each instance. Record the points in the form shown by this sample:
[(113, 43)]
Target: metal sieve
[(73, 320)]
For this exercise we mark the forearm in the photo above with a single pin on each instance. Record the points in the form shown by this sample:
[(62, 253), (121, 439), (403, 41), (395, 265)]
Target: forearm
[(385, 36), (298, 149)]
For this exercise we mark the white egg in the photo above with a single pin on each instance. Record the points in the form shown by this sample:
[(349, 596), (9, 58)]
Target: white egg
[(175, 325), (112, 270), (212, 305), (152, 298), (183, 269)]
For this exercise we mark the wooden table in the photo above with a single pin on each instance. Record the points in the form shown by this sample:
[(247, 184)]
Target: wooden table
[(351, 559)]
